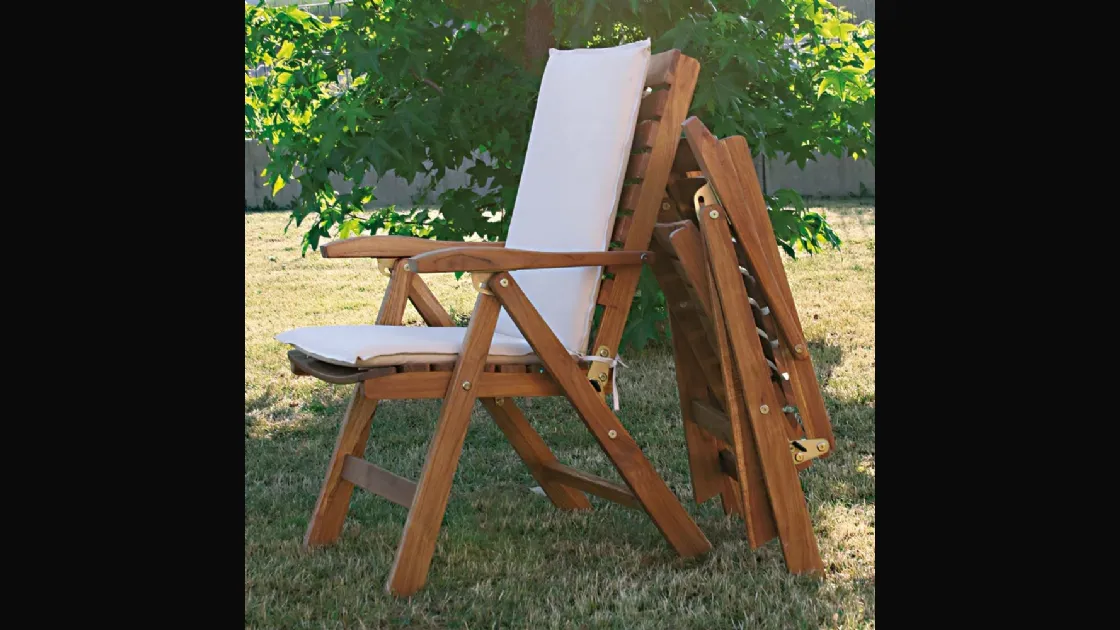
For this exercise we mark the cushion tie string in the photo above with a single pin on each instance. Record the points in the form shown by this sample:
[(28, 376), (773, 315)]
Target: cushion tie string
[(613, 365)]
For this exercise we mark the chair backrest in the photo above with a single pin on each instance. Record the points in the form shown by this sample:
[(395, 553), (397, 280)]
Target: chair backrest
[(596, 141), (574, 167)]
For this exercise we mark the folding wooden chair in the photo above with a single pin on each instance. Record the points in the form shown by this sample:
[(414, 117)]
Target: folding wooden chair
[(752, 408), (547, 278)]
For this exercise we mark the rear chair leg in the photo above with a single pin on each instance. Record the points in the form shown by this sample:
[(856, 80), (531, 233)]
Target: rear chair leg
[(334, 498), (534, 452)]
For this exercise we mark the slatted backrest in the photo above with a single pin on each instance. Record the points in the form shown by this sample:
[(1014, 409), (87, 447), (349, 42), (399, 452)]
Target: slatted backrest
[(671, 77)]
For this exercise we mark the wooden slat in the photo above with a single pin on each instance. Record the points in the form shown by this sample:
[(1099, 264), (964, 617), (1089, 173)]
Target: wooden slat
[(418, 541), (644, 134), (713, 420), (803, 377), (685, 161), (409, 368), (661, 68), (591, 484), (664, 509), (495, 259), (741, 349), (715, 160), (636, 168), (654, 105), (650, 196), (391, 246), (434, 385), (604, 291), (622, 228), (628, 200), (512, 368), (757, 514), (703, 449), (378, 481)]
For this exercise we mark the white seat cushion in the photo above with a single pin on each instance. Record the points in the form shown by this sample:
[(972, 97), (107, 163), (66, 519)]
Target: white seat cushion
[(578, 151), (376, 346)]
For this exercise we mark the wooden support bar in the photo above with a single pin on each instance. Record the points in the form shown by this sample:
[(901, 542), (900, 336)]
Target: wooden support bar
[(591, 484), (713, 420), (434, 385), (378, 481)]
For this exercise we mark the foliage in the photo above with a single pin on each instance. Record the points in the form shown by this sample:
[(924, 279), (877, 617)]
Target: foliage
[(419, 86)]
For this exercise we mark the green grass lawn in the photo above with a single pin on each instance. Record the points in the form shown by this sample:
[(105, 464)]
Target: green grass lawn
[(505, 556)]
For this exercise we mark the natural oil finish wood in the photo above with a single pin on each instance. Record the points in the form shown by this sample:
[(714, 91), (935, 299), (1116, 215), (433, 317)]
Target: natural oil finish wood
[(494, 259), (661, 505), (392, 246), (418, 542)]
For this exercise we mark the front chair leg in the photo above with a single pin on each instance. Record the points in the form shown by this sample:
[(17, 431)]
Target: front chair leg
[(418, 542)]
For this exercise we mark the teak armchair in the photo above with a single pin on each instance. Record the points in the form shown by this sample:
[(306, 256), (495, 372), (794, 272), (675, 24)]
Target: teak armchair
[(604, 137), (752, 408)]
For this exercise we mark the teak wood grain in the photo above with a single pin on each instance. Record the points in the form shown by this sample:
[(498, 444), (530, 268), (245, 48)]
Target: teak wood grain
[(494, 259), (703, 449), (743, 351), (715, 162), (392, 246), (655, 497), (803, 381), (418, 542)]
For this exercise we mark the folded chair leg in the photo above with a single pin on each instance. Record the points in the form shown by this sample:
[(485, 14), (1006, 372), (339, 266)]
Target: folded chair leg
[(334, 497), (655, 497), (418, 542), (534, 452)]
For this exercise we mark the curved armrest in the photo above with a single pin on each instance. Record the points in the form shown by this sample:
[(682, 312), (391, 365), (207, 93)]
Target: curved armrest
[(393, 246), (495, 259)]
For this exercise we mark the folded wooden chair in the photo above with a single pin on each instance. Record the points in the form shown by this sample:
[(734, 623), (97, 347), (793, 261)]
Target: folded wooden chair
[(607, 126), (752, 408)]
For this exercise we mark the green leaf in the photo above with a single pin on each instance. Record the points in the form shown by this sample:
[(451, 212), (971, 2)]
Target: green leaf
[(286, 51)]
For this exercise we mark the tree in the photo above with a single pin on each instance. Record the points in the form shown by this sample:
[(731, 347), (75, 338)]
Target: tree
[(420, 86)]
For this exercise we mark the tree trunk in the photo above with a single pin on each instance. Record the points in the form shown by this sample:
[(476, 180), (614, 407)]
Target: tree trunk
[(539, 22)]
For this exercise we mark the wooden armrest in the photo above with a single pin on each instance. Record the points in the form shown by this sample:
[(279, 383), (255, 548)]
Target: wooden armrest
[(392, 246), (500, 259)]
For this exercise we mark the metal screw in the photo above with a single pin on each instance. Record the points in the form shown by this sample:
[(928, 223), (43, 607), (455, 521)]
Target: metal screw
[(684, 304), (603, 352), (612, 434), (504, 282), (764, 409), (798, 457), (799, 348), (713, 214), (822, 447), (466, 385), (665, 206), (602, 377), (407, 267), (500, 401)]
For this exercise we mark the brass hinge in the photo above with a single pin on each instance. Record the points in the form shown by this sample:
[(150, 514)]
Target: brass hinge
[(385, 265), (805, 449), (599, 371), (480, 281)]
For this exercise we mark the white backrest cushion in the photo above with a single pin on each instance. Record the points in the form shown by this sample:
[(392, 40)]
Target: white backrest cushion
[(579, 148)]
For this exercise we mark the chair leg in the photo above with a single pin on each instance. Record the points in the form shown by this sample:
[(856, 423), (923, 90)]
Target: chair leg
[(418, 542), (534, 452), (334, 497)]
